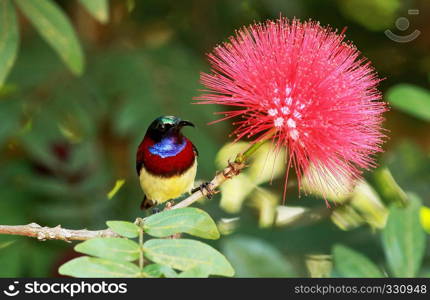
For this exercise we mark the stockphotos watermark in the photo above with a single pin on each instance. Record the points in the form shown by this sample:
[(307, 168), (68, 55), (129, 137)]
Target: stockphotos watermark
[(403, 24), (65, 288)]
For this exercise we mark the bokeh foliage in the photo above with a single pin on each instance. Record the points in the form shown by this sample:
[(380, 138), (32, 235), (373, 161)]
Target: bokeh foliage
[(80, 85)]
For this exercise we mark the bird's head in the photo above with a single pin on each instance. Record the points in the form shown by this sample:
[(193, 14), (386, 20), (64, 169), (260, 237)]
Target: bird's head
[(166, 126)]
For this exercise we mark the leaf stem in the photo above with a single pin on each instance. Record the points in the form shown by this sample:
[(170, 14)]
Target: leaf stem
[(139, 222), (242, 157)]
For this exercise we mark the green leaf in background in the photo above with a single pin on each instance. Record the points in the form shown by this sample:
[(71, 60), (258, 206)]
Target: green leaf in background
[(263, 168), (54, 26), (404, 239), (157, 271), (9, 38), (184, 254), (319, 265), (350, 263), (189, 220), (234, 192), (253, 257), (126, 229), (266, 201), (410, 99), (86, 267), (196, 272), (387, 186), (99, 9), (375, 15), (266, 164), (111, 248)]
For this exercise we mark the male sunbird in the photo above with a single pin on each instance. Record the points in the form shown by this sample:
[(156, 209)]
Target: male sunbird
[(166, 161)]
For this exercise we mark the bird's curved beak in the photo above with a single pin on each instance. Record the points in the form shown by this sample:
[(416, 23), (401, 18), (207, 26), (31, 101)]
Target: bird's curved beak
[(183, 123)]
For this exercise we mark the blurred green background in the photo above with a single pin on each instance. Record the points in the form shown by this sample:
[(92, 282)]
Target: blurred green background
[(78, 99)]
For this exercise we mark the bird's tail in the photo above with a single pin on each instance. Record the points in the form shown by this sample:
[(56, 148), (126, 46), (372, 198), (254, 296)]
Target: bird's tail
[(146, 203)]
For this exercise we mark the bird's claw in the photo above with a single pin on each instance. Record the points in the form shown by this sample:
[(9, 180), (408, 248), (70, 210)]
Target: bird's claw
[(169, 205), (231, 172), (206, 186)]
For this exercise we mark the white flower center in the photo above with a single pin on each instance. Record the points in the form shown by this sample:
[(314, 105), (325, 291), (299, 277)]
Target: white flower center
[(272, 112), (285, 110), (284, 113), (291, 123), (294, 134), (279, 122), (297, 115)]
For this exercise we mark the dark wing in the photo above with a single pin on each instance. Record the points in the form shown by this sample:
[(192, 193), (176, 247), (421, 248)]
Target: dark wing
[(138, 167), (146, 203), (196, 152), (139, 158)]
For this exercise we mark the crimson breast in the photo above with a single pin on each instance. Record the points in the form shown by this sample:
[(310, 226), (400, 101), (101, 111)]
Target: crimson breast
[(165, 158)]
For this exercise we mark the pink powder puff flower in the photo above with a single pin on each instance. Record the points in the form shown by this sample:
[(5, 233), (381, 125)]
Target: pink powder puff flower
[(307, 85)]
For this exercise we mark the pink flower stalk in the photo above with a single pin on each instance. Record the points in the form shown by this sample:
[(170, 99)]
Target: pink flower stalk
[(307, 85)]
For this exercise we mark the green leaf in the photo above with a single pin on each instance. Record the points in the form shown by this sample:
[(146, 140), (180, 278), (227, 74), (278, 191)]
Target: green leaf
[(411, 99), (111, 248), (124, 228), (54, 26), (196, 272), (404, 239), (253, 257), (189, 220), (388, 187), (350, 263), (9, 38), (157, 271), (184, 254), (99, 9), (86, 267), (319, 265)]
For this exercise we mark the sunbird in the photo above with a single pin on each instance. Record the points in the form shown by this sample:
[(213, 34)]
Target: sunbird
[(166, 161)]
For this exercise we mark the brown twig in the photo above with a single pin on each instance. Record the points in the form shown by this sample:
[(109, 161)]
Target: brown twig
[(232, 170), (55, 233)]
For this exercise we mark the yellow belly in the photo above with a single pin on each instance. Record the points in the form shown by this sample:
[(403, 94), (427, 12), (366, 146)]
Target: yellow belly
[(160, 189)]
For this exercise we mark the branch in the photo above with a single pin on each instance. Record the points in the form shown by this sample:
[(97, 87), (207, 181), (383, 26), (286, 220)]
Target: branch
[(55, 233), (59, 233), (229, 172)]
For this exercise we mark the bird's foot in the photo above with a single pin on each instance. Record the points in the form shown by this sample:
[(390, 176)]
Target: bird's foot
[(230, 171), (206, 189), (169, 205), (146, 203)]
